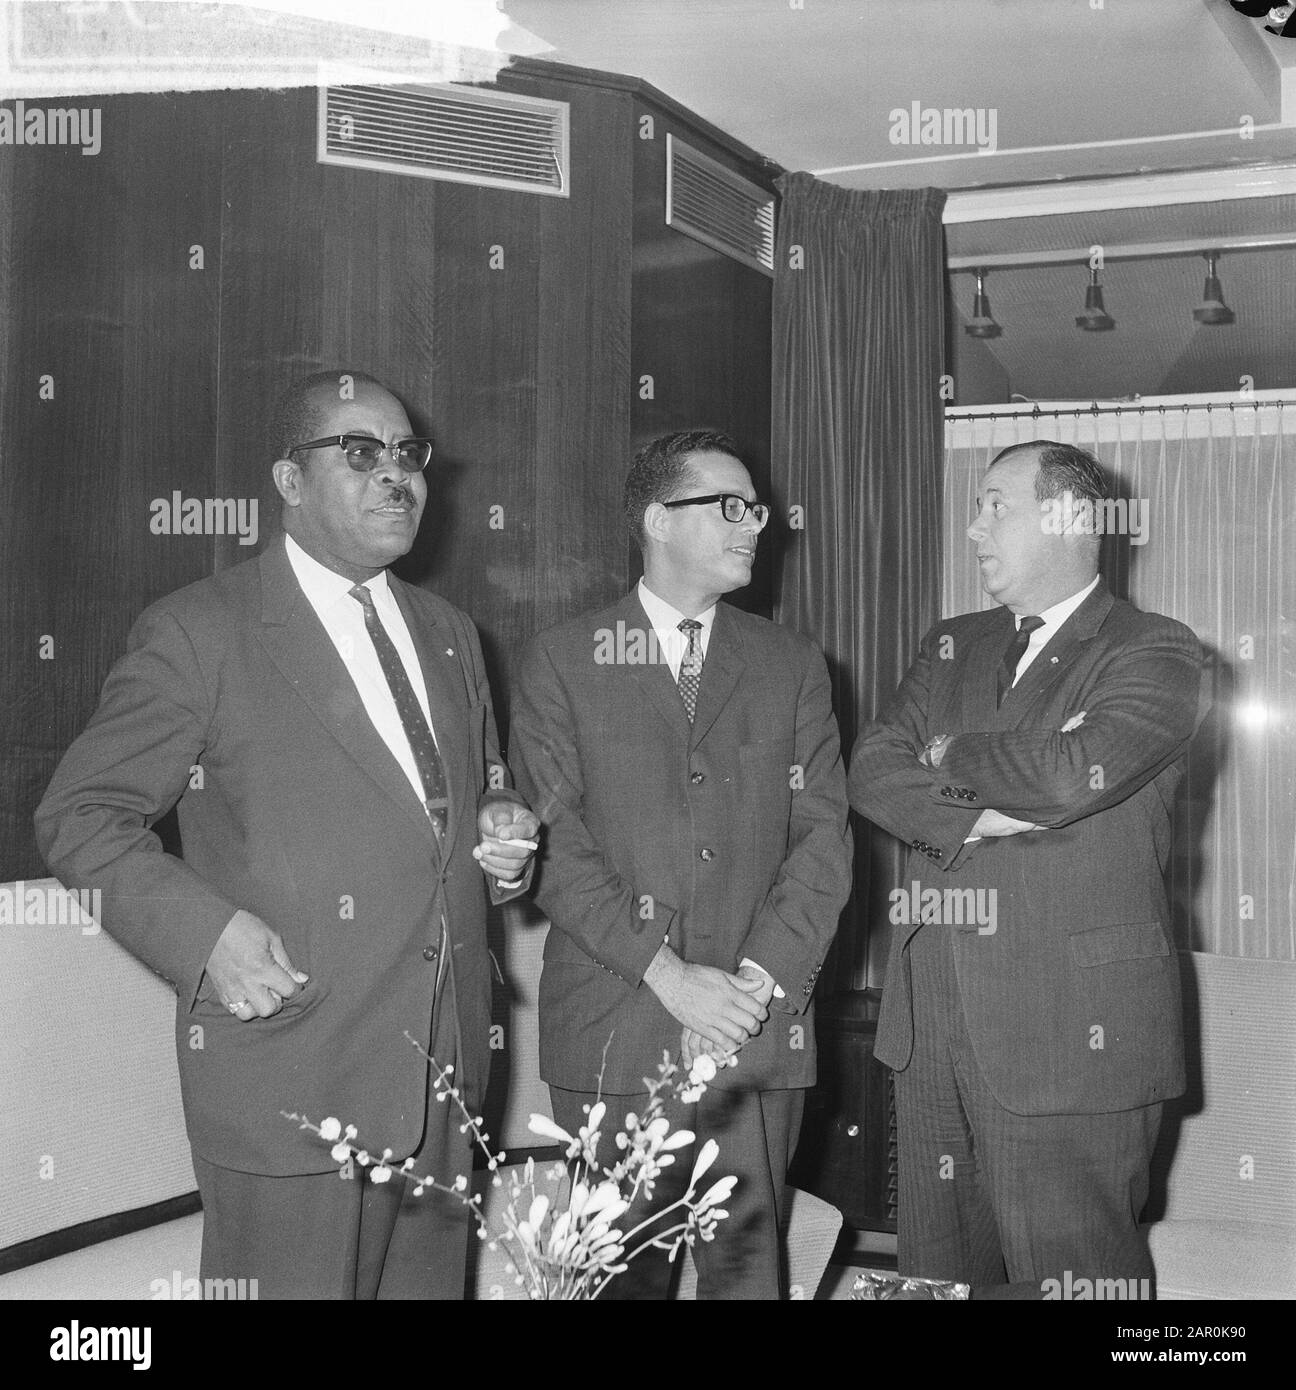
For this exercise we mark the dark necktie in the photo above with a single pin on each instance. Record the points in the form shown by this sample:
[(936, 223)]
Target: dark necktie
[(1016, 650), (690, 671), (427, 759)]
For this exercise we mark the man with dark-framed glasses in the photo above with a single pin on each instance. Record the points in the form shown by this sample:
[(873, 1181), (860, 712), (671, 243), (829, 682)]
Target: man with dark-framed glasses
[(326, 734), (684, 758)]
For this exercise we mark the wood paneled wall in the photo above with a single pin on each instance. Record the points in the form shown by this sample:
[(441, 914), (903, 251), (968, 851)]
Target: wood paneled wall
[(165, 375)]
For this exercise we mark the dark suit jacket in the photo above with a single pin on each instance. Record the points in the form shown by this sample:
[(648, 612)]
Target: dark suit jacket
[(1072, 1002), (233, 702), (729, 837)]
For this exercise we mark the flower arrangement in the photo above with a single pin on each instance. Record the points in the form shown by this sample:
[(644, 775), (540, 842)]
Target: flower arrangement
[(573, 1250)]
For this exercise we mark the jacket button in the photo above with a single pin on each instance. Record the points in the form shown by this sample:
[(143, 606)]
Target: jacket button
[(429, 953), (697, 778), (947, 791), (706, 855)]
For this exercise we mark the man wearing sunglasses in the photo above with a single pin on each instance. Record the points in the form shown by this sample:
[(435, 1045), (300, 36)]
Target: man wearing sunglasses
[(684, 758), (326, 733)]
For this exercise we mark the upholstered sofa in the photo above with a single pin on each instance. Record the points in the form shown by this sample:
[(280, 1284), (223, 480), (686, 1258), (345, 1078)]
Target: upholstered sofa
[(1223, 1194)]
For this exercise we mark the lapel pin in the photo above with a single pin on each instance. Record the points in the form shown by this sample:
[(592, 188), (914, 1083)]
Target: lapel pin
[(1053, 659), (450, 652)]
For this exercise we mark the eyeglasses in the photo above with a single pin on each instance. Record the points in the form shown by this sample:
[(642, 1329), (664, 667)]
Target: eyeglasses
[(364, 453), (733, 506)]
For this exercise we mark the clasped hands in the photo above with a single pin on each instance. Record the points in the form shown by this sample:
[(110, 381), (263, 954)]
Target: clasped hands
[(720, 1012)]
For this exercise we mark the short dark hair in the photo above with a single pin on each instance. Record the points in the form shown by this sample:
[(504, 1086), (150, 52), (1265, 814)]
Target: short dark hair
[(302, 406), (1063, 468), (660, 471)]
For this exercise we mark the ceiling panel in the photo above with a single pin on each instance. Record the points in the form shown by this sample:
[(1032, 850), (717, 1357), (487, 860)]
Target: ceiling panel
[(815, 87)]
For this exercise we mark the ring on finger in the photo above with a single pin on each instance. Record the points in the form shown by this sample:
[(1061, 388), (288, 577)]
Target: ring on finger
[(234, 1008)]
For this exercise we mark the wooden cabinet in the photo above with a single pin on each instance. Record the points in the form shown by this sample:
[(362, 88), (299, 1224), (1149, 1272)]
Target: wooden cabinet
[(847, 1150)]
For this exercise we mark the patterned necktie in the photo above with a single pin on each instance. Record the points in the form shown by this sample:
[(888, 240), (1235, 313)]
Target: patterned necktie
[(690, 671), (427, 759), (1016, 650)]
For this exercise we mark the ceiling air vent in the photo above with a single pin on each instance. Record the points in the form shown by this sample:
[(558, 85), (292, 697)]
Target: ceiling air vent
[(497, 139), (714, 205)]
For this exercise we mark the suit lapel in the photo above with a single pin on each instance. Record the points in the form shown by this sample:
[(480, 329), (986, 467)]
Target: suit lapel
[(295, 640), (721, 672), (652, 676), (1056, 657), (442, 666), (980, 684)]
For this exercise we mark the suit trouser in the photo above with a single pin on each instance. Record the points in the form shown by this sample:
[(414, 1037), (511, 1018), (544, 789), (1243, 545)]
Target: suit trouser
[(325, 1236), (985, 1193), (757, 1133)]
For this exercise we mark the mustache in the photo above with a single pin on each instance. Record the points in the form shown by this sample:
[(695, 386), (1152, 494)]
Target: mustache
[(399, 494)]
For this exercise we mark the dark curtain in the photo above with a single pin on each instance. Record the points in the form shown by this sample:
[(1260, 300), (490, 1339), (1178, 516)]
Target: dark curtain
[(857, 421)]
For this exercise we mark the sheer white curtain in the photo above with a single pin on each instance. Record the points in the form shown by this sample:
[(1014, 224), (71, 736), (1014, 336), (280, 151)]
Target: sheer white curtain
[(1216, 480)]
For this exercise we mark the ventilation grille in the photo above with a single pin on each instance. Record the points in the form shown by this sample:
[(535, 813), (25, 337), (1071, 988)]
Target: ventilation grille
[(497, 139), (727, 212)]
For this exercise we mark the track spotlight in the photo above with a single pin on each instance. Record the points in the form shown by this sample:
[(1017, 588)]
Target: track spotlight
[(981, 324), (1212, 309), (1095, 318)]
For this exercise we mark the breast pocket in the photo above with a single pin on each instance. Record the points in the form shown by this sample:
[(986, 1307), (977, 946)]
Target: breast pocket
[(1123, 941)]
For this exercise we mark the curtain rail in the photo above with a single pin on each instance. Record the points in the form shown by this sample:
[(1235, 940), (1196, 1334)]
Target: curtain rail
[(1036, 412)]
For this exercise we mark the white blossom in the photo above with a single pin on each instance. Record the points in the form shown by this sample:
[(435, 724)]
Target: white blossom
[(706, 1157), (545, 1127), (703, 1069)]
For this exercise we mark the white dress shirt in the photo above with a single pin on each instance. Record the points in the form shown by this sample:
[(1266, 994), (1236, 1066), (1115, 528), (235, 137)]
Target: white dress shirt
[(673, 644), (665, 620), (328, 593), (1053, 619)]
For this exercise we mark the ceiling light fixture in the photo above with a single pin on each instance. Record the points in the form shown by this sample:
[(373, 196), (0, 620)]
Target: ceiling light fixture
[(1095, 318), (1282, 16), (1212, 309), (981, 324)]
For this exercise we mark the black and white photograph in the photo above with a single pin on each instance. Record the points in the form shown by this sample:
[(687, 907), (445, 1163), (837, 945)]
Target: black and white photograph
[(654, 659)]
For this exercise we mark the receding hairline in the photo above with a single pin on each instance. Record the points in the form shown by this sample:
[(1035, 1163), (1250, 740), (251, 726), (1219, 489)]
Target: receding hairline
[(360, 388), (1007, 459), (1023, 453), (321, 397)]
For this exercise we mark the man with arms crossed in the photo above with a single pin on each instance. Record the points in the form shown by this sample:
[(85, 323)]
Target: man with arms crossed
[(1031, 755), (326, 732), (684, 758)]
